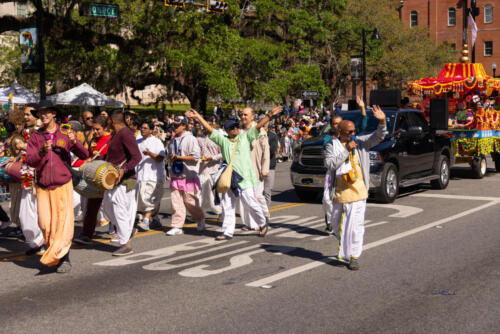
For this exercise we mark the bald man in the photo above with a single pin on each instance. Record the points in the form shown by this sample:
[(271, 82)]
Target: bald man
[(350, 163), (260, 156)]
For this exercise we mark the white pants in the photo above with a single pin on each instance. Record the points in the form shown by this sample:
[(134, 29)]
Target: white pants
[(149, 199), (120, 206), (207, 195), (248, 203), (348, 223), (79, 204), (327, 198), (28, 217), (246, 216)]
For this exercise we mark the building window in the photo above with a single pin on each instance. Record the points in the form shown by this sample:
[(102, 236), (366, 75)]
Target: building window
[(452, 17), (413, 18), (488, 48), (22, 9), (488, 14)]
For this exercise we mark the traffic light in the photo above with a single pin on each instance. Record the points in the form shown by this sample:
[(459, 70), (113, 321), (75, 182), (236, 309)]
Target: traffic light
[(175, 3), (216, 6)]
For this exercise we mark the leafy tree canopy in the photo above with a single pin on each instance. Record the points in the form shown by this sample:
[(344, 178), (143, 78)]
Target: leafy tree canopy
[(262, 50)]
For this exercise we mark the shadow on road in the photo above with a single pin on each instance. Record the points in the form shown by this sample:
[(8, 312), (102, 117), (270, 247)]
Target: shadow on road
[(303, 253)]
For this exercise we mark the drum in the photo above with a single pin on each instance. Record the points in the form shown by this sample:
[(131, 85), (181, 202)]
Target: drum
[(4, 177), (88, 190), (100, 173), (13, 169)]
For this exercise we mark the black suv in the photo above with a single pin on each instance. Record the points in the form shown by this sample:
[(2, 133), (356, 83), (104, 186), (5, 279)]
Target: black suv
[(410, 154)]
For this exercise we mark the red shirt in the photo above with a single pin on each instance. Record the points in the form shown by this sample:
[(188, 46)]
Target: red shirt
[(123, 149), (50, 169)]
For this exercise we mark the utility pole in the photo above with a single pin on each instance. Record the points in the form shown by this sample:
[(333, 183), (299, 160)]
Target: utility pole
[(464, 22), (41, 54)]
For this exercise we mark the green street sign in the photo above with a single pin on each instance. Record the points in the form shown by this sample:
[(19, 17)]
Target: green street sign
[(100, 10)]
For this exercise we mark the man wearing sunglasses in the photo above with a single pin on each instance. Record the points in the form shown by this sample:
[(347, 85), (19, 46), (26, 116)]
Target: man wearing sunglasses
[(350, 163)]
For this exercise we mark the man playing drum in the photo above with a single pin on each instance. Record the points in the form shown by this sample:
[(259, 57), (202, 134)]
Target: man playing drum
[(49, 152), (120, 203)]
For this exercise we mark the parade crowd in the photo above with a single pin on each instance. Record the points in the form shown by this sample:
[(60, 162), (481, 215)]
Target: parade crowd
[(218, 164)]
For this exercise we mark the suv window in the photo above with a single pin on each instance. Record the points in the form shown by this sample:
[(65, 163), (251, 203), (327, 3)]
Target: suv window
[(417, 119), (403, 121)]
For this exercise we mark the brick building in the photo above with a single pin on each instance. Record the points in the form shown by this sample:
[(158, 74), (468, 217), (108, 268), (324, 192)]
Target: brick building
[(445, 22)]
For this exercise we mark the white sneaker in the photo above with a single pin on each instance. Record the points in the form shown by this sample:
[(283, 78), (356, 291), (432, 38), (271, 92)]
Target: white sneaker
[(201, 226), (143, 226), (175, 231)]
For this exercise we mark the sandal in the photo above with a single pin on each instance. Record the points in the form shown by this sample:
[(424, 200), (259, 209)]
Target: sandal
[(223, 237), (263, 230)]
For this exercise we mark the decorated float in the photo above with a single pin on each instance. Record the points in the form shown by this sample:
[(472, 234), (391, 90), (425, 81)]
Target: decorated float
[(474, 115)]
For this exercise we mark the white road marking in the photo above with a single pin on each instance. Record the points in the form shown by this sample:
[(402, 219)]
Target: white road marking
[(236, 261), (324, 260), (169, 251), (404, 211), (377, 224), (296, 232), (459, 197), (193, 245)]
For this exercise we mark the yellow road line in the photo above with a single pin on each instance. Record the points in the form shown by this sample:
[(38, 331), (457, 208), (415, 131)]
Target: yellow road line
[(21, 255)]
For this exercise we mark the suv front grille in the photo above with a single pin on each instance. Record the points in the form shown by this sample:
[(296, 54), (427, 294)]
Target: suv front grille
[(312, 156)]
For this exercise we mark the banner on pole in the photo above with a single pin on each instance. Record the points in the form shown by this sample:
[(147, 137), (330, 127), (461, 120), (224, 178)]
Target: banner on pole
[(356, 68), (473, 29), (30, 57)]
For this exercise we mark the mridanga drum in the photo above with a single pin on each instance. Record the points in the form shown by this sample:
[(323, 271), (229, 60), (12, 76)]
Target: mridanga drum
[(4, 177), (13, 169), (100, 173), (88, 190)]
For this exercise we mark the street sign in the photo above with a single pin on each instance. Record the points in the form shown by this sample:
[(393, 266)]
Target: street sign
[(100, 10), (310, 94)]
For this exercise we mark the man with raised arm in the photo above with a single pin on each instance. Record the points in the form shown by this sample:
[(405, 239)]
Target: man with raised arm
[(350, 164), (242, 164)]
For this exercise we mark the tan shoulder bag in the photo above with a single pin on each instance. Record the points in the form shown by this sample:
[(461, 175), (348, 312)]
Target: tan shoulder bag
[(224, 183)]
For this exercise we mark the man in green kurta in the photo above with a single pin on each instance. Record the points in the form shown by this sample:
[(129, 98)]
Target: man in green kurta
[(242, 164)]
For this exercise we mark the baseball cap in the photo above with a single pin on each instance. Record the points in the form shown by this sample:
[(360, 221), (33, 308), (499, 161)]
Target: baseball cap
[(178, 120), (230, 123)]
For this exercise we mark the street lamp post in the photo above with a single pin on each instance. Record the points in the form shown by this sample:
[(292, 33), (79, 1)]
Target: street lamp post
[(400, 9), (494, 68), (374, 36), (41, 50)]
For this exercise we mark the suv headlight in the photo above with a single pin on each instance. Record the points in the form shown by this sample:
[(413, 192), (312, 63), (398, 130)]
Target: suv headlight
[(375, 156), (296, 155)]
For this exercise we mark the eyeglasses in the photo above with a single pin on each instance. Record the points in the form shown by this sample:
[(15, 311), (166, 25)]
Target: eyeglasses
[(89, 118), (233, 127), (350, 132)]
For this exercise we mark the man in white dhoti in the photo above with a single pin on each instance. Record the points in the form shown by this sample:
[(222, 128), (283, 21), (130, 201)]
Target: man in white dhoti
[(120, 203), (260, 156), (150, 174), (350, 163)]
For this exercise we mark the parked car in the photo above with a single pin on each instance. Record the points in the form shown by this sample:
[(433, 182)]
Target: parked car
[(410, 154)]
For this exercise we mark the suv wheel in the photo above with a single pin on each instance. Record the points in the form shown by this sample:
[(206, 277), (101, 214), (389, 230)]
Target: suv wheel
[(443, 170), (389, 187), (479, 167)]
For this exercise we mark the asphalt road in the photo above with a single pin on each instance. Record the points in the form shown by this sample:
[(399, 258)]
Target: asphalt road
[(431, 264)]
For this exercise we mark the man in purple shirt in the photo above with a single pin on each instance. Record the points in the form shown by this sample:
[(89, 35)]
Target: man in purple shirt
[(48, 152), (120, 203)]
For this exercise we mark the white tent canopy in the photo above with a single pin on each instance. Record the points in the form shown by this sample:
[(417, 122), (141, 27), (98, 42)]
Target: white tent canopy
[(84, 95), (20, 94)]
